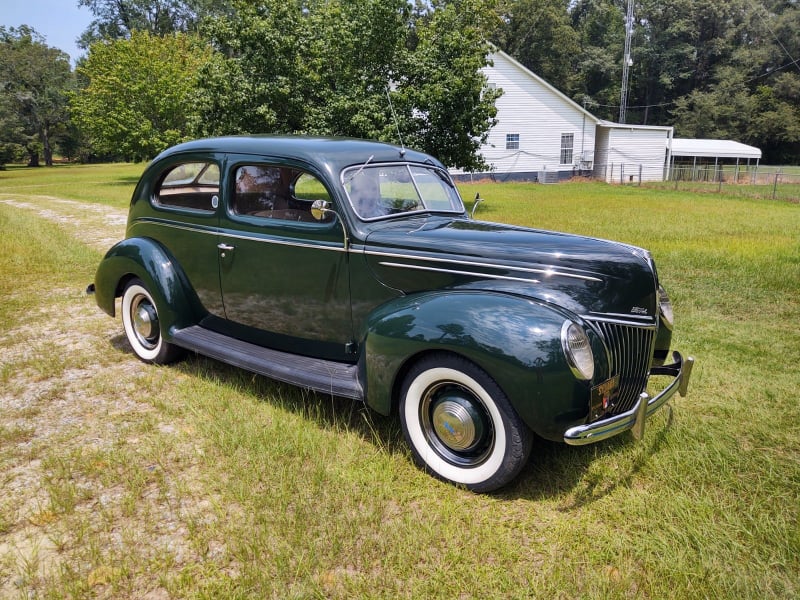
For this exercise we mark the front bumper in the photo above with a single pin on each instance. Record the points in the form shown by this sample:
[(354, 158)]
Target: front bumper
[(680, 369)]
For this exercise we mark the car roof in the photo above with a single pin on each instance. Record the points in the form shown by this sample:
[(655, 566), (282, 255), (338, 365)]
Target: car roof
[(328, 153)]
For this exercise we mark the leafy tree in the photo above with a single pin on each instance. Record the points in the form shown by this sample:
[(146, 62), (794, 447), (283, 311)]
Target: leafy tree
[(601, 32), (138, 98), (324, 67), (34, 81), (752, 92), (540, 35), (117, 19)]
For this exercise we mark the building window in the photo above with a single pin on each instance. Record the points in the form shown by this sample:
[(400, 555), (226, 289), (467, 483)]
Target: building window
[(567, 140), (512, 141)]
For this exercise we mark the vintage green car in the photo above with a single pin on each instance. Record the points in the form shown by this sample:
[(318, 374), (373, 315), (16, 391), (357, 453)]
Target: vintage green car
[(351, 267)]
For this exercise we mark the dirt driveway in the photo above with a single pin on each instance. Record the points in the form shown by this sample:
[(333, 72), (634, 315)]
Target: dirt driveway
[(94, 474)]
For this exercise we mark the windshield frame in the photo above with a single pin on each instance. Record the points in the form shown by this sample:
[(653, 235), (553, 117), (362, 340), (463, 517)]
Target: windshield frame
[(348, 174)]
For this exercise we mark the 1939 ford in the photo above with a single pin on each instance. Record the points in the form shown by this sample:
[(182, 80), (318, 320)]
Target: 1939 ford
[(351, 268)]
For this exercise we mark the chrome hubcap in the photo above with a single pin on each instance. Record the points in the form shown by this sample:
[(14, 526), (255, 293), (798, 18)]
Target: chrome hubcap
[(145, 322), (456, 424)]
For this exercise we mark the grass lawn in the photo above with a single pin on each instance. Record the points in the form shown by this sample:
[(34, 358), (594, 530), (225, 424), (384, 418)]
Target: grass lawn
[(199, 480)]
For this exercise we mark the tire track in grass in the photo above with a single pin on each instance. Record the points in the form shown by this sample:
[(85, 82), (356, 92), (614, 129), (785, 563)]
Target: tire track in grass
[(101, 489)]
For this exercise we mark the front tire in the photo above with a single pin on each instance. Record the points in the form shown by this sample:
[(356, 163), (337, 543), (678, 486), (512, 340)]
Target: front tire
[(460, 425), (143, 328)]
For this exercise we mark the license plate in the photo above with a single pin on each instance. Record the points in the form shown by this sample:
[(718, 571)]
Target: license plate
[(603, 396)]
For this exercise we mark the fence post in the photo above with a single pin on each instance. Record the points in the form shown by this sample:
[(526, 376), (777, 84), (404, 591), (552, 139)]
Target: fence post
[(775, 185), (622, 173)]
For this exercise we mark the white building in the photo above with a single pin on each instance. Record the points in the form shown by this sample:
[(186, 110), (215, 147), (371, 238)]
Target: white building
[(544, 135)]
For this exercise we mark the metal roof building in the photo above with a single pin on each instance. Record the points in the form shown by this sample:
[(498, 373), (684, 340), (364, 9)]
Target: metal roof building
[(713, 149)]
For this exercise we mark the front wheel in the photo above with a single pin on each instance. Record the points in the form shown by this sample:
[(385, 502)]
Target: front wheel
[(460, 425), (142, 327)]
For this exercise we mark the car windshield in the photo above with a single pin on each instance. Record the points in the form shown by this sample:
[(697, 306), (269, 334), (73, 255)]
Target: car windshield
[(377, 191)]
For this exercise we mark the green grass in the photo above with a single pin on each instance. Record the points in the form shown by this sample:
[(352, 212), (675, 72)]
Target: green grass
[(217, 483), (103, 184)]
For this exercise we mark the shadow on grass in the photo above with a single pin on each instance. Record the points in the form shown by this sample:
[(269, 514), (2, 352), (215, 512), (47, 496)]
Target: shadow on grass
[(554, 470), (126, 180)]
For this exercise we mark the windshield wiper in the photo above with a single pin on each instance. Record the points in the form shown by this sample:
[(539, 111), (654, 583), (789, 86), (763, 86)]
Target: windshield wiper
[(361, 168)]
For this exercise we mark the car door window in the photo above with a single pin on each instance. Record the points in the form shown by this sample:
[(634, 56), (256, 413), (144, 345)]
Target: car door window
[(278, 193)]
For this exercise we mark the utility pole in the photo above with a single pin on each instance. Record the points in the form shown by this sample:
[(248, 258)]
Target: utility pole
[(626, 62)]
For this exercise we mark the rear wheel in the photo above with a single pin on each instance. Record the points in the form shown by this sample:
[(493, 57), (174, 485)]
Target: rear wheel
[(142, 326), (460, 425)]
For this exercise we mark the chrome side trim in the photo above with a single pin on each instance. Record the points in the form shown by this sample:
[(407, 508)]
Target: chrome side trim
[(454, 272), (224, 233), (680, 370), (549, 272)]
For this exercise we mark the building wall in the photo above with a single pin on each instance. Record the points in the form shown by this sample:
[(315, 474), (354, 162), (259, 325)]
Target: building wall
[(621, 152), (539, 116)]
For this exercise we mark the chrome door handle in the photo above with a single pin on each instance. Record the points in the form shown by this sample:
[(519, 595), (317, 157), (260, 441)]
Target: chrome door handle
[(225, 247)]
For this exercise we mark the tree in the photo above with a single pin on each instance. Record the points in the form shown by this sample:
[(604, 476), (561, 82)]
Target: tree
[(540, 35), (34, 81), (138, 98), (324, 67), (117, 19), (752, 92), (601, 32)]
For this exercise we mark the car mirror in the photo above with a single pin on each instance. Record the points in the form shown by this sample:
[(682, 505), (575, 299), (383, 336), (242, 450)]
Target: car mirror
[(321, 209), (478, 200)]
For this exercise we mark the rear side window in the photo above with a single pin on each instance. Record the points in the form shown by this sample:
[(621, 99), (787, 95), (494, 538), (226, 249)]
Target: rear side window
[(191, 185)]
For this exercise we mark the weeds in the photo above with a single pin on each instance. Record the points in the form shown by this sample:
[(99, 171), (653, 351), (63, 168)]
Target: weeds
[(200, 480)]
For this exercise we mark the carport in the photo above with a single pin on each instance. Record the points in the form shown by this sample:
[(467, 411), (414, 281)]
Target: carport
[(719, 150)]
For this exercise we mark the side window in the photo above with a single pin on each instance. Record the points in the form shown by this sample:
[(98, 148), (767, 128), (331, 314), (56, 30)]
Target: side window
[(512, 141), (281, 193), (567, 141), (190, 185)]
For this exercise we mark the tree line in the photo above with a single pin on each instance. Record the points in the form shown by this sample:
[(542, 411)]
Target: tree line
[(157, 72)]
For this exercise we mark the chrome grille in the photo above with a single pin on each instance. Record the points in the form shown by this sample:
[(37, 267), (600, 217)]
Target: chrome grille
[(631, 349)]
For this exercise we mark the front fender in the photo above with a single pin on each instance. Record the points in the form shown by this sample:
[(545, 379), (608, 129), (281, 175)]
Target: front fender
[(178, 305), (516, 340)]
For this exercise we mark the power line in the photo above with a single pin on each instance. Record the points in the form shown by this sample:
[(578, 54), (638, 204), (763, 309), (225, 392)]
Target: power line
[(792, 58)]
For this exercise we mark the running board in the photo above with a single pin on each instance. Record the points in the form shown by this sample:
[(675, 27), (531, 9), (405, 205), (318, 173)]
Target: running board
[(326, 376)]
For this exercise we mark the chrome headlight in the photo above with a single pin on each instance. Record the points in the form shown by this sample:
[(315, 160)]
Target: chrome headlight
[(578, 350), (665, 306)]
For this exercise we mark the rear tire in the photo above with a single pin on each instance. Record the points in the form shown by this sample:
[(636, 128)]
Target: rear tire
[(460, 425), (142, 326)]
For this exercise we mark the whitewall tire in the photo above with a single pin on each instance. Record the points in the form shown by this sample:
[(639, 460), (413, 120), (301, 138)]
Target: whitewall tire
[(460, 425), (142, 326)]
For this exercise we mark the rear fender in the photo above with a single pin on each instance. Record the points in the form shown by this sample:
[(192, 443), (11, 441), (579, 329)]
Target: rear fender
[(177, 303), (517, 341)]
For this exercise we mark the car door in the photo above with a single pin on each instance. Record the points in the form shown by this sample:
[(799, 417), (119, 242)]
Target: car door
[(283, 266), (183, 218)]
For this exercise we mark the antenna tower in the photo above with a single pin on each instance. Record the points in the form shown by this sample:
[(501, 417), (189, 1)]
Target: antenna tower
[(626, 62)]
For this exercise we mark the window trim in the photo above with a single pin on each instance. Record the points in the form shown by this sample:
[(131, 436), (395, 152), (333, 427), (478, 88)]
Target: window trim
[(567, 151), (512, 141)]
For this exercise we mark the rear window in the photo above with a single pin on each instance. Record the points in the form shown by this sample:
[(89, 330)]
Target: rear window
[(191, 185)]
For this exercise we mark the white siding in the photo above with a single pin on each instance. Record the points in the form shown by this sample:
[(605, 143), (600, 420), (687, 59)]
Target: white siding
[(623, 151), (540, 116), (601, 153)]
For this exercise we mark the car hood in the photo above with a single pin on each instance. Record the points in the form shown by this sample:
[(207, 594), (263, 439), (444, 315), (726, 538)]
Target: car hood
[(587, 276)]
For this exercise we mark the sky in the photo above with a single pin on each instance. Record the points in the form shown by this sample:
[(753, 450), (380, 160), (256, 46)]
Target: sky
[(61, 22)]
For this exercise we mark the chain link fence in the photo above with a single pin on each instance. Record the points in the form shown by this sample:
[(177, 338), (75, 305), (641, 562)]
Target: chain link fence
[(759, 182)]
